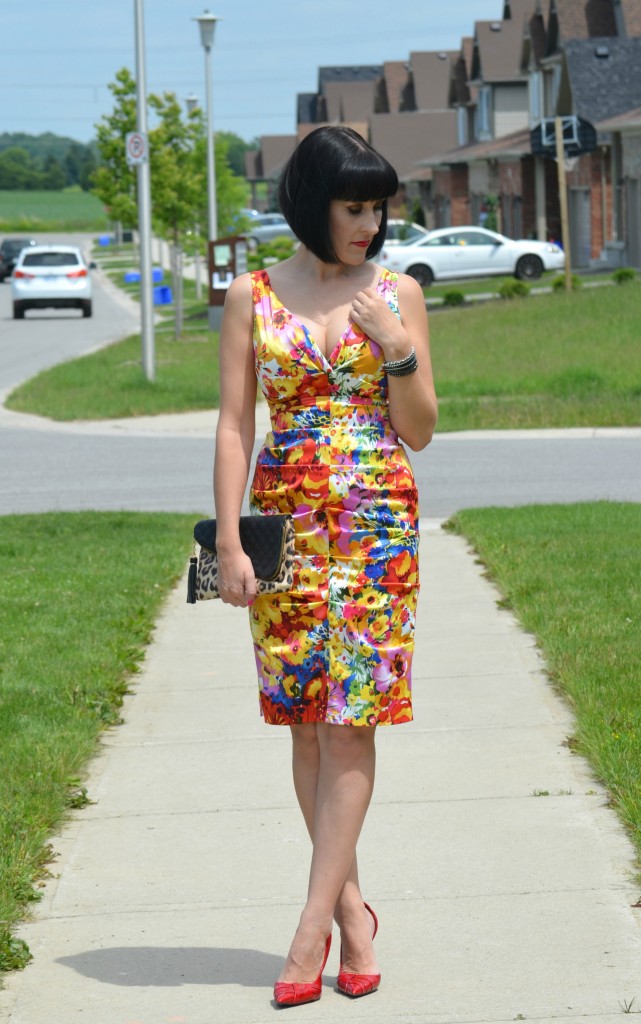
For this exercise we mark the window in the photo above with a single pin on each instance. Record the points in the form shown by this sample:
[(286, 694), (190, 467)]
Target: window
[(461, 117), (50, 259), (484, 130), (466, 238), (535, 98)]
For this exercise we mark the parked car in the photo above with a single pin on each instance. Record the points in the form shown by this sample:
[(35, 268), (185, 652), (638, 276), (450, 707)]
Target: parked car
[(51, 277), (403, 232), (10, 249), (471, 252), (265, 227)]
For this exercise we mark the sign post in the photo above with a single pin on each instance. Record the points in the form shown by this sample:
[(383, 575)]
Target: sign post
[(227, 259)]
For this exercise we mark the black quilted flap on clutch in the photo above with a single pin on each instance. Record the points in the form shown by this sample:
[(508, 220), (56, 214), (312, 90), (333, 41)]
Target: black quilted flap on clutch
[(261, 537)]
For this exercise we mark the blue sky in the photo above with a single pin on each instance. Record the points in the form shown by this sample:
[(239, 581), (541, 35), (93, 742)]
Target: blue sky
[(58, 56)]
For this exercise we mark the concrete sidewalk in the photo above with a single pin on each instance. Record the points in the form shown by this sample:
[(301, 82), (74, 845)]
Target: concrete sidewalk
[(179, 889)]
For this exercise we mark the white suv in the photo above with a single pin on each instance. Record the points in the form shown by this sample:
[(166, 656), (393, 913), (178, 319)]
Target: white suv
[(51, 277)]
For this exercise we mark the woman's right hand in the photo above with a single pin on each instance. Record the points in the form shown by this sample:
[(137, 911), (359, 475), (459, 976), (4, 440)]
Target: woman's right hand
[(236, 578)]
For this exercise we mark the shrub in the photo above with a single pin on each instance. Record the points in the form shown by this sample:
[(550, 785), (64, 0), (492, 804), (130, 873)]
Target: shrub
[(453, 298), (558, 284), (267, 253), (514, 290), (623, 274)]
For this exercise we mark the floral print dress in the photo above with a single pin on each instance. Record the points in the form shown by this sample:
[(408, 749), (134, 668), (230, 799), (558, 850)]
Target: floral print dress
[(338, 647)]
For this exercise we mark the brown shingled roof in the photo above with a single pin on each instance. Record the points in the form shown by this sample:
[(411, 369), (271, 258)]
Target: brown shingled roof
[(631, 119), (275, 150), (582, 19), (431, 71), (349, 101), (406, 138), (516, 144), (497, 49), (395, 78)]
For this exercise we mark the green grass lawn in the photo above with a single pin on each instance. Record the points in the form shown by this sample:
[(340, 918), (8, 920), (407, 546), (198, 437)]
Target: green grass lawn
[(79, 593), (571, 574), (547, 361), (69, 210), (550, 361)]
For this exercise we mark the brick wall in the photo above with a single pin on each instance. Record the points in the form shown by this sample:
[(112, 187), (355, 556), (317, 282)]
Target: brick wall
[(459, 195), (528, 193)]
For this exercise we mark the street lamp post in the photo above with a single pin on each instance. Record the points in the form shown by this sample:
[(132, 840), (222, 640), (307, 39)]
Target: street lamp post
[(144, 204), (207, 26)]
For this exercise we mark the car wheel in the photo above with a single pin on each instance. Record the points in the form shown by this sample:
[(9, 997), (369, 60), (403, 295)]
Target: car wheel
[(421, 273), (18, 311), (529, 268), (86, 307)]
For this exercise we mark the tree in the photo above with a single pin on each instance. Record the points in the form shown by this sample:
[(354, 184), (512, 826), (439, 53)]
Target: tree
[(114, 182), (177, 183), (235, 148), (178, 157), (18, 170)]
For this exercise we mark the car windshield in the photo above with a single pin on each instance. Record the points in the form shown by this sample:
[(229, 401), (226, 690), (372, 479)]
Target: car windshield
[(13, 247), (50, 259)]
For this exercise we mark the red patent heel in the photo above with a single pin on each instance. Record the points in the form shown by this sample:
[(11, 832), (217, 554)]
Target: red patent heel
[(355, 985), (293, 993)]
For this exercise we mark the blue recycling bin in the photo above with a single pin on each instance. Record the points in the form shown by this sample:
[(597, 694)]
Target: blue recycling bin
[(162, 295), (104, 239), (133, 276)]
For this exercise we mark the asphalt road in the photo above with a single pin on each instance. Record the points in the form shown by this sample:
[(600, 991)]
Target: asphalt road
[(45, 468), (49, 336)]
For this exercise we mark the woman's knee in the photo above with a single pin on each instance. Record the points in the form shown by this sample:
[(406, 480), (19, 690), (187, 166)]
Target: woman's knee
[(347, 743), (305, 738)]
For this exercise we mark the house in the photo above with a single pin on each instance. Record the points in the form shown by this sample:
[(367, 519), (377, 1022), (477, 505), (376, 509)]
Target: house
[(263, 168), (625, 132), (493, 128)]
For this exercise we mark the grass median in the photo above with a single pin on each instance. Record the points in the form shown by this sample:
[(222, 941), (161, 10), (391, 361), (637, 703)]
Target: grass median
[(79, 593), (567, 360), (571, 574)]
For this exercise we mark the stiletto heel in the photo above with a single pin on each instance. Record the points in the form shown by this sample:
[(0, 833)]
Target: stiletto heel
[(293, 993), (355, 985)]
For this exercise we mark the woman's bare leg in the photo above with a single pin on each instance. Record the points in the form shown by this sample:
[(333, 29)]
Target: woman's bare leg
[(333, 777)]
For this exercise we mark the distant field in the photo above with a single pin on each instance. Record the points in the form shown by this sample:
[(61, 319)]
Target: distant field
[(51, 211)]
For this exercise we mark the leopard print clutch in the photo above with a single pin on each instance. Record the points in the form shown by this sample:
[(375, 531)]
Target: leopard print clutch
[(268, 540)]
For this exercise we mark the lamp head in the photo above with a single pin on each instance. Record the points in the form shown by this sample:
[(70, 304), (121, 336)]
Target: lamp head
[(207, 25)]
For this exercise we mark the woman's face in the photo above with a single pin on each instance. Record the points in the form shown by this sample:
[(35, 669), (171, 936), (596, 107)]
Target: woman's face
[(352, 226)]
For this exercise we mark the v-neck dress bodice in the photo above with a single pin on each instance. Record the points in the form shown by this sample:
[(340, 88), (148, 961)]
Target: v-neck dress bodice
[(338, 647)]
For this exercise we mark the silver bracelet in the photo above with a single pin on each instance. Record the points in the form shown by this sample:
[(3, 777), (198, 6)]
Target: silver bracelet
[(402, 367)]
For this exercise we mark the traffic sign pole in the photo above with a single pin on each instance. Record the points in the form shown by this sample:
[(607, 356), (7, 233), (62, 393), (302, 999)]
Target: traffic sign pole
[(563, 201), (138, 151)]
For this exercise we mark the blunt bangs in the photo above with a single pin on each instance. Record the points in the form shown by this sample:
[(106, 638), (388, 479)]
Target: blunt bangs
[(333, 162), (364, 177)]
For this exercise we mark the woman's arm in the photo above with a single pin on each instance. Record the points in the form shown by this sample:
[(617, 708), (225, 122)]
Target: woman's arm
[(412, 400), (234, 442)]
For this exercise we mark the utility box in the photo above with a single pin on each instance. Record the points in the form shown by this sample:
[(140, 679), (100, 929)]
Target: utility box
[(227, 259)]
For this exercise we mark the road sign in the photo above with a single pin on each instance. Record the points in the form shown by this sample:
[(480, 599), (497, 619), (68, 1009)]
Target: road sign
[(136, 148), (579, 136)]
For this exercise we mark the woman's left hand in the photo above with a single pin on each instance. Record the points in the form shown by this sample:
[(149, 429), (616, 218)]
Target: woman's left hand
[(373, 315)]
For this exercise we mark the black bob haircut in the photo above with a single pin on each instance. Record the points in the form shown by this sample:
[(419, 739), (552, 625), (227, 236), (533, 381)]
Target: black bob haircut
[(333, 162)]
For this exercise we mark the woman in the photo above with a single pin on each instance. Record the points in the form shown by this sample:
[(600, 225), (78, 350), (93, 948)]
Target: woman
[(340, 348)]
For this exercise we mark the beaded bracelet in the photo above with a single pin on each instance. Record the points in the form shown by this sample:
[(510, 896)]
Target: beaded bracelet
[(402, 367)]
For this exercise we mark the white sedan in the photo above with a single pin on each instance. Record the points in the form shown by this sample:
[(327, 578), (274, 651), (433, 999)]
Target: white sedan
[(51, 277), (471, 252)]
